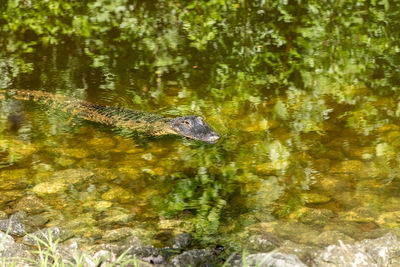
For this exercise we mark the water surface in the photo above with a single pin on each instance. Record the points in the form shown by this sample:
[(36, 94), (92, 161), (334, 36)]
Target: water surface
[(309, 141)]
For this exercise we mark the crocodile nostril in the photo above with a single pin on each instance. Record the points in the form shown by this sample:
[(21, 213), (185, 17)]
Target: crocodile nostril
[(213, 139)]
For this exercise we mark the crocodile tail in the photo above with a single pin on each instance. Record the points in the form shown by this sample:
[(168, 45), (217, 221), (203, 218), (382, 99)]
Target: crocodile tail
[(65, 103), (73, 106)]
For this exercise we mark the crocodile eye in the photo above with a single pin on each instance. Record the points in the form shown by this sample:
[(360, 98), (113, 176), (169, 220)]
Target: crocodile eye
[(186, 122)]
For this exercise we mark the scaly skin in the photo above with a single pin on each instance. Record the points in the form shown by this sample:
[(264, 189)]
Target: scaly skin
[(192, 127)]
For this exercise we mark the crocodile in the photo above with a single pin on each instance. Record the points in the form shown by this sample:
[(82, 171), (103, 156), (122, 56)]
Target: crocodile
[(192, 127)]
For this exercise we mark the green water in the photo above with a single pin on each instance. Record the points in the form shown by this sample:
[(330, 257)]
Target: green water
[(304, 96)]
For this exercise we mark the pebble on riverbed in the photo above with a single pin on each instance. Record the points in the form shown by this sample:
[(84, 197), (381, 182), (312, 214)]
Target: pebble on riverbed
[(118, 194), (30, 204)]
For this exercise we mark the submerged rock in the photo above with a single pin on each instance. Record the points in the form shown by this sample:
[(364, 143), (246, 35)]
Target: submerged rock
[(314, 198), (102, 143), (117, 234), (311, 215), (348, 166), (64, 161), (359, 214), (117, 193), (47, 188), (72, 176), (263, 242), (389, 219), (330, 237), (115, 216), (9, 196), (78, 153), (30, 204), (14, 179)]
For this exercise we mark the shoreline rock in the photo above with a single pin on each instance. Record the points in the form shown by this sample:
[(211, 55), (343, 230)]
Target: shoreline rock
[(381, 251)]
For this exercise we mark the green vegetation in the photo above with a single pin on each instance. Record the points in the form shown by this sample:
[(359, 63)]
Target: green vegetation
[(258, 45), (47, 254), (299, 90)]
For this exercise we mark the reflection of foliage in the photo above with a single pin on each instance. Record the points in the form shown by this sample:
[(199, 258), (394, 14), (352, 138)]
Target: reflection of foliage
[(206, 193), (201, 194), (267, 43), (236, 55)]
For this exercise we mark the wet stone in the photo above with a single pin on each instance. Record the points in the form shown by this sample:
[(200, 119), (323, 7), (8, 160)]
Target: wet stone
[(196, 257), (30, 204), (382, 251), (13, 226), (273, 259), (46, 234), (10, 249), (19, 215), (68, 252), (155, 259), (304, 252), (138, 249)]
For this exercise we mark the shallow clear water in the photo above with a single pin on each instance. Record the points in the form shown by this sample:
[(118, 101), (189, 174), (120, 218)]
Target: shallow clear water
[(294, 162)]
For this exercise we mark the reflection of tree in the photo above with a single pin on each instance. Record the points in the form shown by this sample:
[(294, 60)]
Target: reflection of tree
[(321, 46), (326, 60)]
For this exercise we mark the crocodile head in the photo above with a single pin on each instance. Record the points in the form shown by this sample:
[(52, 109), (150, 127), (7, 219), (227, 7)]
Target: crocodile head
[(194, 127)]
